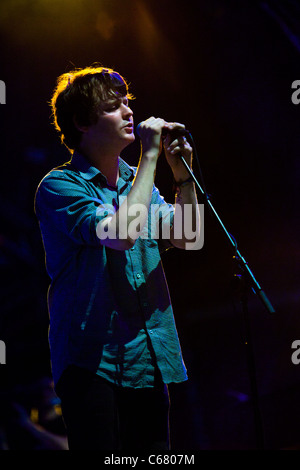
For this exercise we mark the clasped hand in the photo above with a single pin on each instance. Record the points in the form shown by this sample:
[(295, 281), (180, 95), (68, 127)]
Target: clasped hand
[(153, 133)]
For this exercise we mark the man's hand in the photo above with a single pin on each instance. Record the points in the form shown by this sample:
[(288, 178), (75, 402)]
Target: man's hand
[(174, 148), (150, 132)]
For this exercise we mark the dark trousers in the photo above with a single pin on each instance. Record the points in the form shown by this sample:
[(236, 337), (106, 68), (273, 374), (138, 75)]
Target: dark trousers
[(102, 416)]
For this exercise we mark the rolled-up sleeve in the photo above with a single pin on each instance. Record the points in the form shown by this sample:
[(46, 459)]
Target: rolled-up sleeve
[(65, 204)]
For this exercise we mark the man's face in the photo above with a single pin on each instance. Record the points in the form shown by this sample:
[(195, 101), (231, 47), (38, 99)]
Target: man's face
[(115, 124)]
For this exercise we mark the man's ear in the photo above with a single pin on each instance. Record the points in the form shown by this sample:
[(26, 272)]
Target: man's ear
[(80, 127)]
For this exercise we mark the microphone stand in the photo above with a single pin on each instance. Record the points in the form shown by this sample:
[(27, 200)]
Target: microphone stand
[(245, 279)]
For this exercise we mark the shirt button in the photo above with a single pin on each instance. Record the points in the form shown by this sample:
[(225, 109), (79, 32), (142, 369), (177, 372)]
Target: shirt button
[(132, 249), (138, 276)]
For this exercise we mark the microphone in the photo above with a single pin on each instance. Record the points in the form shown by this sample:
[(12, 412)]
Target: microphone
[(174, 133)]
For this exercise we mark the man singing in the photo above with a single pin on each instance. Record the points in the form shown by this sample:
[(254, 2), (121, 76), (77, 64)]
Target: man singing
[(113, 340)]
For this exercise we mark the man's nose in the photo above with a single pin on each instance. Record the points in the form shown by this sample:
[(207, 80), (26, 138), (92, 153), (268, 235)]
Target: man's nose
[(127, 110)]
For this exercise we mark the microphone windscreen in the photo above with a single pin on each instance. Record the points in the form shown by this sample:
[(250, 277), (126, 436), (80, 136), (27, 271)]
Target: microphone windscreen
[(138, 127)]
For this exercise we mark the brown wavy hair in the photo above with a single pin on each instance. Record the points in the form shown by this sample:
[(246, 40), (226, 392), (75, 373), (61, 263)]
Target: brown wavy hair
[(78, 97)]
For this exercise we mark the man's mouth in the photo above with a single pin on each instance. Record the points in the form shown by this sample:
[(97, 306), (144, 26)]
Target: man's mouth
[(129, 127)]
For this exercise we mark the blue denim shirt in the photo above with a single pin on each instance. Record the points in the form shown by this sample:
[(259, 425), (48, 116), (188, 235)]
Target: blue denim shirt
[(110, 310)]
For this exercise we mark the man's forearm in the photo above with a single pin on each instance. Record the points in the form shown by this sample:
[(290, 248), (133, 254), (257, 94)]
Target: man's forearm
[(187, 222), (121, 224)]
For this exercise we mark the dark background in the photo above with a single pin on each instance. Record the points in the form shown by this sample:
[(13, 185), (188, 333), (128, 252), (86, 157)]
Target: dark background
[(224, 69)]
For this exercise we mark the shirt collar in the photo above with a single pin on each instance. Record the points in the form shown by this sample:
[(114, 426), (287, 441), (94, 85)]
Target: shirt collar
[(88, 171)]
